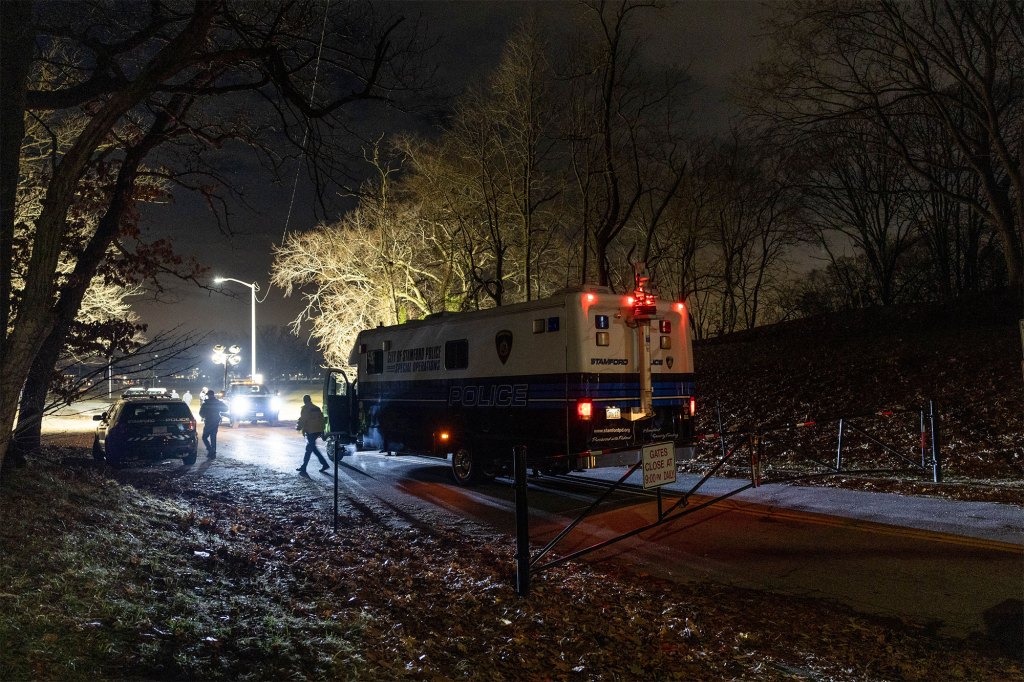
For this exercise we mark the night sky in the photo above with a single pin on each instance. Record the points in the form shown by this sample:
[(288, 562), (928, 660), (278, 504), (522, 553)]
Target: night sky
[(711, 39)]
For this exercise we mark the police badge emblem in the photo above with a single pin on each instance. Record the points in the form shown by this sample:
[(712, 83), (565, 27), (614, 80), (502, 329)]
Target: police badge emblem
[(503, 344)]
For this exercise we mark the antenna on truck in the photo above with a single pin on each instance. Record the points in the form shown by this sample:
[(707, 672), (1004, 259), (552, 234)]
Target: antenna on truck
[(645, 309)]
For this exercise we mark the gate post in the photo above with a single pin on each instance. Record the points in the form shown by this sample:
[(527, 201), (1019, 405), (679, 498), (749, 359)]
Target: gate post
[(924, 443), (839, 448), (522, 522), (337, 439), (933, 410), (721, 431)]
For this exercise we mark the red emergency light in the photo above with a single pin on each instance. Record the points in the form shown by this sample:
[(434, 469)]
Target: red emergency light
[(693, 406)]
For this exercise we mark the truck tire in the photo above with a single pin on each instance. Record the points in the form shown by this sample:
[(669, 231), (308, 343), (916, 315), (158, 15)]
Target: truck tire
[(97, 450), (189, 459), (464, 466), (487, 469), (470, 467)]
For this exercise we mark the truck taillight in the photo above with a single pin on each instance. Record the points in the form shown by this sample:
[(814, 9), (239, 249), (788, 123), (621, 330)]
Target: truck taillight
[(693, 406), (191, 424), (585, 409)]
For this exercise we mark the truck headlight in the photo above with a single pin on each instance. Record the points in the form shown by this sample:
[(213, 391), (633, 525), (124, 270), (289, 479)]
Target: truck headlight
[(275, 404)]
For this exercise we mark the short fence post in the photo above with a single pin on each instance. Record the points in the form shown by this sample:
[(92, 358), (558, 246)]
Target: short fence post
[(924, 443), (337, 439), (522, 522), (721, 433), (839, 448), (933, 411), (755, 459)]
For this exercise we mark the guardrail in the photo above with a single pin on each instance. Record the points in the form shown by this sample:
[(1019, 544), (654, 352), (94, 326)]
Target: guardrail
[(528, 564)]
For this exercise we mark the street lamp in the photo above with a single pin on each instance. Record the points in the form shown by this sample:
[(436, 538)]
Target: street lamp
[(254, 287), (226, 356)]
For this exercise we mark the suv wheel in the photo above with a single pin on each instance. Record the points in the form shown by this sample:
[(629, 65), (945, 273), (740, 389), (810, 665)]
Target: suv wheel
[(189, 459), (97, 450)]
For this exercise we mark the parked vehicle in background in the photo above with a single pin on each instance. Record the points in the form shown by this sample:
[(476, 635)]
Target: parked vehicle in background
[(249, 401), (149, 428)]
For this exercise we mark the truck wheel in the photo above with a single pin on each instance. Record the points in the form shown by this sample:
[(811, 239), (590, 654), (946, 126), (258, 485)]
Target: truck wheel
[(189, 459), (487, 468), (97, 450), (464, 466)]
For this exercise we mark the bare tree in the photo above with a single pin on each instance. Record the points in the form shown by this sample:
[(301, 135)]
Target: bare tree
[(622, 129), (860, 194), (519, 100), (957, 65), (748, 212), (152, 66), (378, 265)]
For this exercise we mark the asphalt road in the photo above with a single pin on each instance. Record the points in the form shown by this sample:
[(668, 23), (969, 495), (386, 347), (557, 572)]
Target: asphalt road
[(877, 563)]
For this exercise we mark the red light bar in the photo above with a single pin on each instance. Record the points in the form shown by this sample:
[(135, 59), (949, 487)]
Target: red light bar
[(585, 409), (693, 406)]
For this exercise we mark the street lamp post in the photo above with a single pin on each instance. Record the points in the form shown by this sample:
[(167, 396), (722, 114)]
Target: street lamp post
[(253, 288), (226, 356)]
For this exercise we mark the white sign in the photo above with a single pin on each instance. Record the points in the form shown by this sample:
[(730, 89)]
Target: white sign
[(659, 462)]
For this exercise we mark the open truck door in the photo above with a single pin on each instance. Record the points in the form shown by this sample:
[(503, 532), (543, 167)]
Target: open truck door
[(339, 405)]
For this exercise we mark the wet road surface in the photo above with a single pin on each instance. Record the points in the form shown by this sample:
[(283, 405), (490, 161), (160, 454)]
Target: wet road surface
[(941, 580)]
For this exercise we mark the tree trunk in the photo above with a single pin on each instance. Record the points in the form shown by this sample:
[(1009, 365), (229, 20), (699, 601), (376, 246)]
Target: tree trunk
[(15, 59), (30, 329), (28, 435)]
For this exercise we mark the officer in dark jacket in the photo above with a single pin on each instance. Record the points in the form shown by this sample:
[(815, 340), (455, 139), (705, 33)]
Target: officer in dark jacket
[(311, 424), (210, 413)]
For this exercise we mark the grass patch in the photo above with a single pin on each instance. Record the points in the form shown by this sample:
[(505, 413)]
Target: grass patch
[(210, 578), (104, 580)]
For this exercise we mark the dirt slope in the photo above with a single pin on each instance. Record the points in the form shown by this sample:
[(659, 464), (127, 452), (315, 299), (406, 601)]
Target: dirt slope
[(966, 357)]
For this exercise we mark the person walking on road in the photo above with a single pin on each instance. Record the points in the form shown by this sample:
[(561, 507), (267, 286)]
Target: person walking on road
[(210, 413), (311, 424)]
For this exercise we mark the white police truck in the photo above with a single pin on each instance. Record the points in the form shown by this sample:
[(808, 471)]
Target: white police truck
[(582, 379)]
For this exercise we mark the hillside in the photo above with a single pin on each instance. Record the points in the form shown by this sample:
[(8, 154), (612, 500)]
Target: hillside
[(853, 365)]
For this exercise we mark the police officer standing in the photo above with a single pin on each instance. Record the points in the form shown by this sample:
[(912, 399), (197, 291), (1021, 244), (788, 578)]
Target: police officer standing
[(210, 413)]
